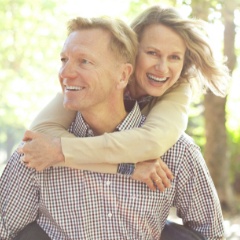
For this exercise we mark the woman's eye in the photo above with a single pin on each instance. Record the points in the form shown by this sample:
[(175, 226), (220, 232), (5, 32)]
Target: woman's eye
[(152, 53), (175, 57)]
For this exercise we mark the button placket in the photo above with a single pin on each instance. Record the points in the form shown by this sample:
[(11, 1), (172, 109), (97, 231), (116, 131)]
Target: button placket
[(109, 196)]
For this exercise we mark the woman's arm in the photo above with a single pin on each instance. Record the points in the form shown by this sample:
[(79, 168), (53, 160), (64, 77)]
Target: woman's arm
[(49, 149), (54, 119), (166, 120)]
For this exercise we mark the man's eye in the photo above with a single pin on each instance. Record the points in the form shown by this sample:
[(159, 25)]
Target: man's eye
[(85, 61), (63, 60)]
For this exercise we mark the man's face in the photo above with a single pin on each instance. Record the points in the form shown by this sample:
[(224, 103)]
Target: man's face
[(89, 70)]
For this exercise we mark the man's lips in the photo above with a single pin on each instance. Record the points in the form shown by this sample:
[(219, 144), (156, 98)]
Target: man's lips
[(73, 88)]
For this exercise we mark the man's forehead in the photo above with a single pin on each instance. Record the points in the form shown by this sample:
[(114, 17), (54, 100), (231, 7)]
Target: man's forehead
[(90, 36), (87, 40)]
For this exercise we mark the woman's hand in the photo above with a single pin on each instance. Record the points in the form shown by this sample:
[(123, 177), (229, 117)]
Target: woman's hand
[(155, 173), (40, 150)]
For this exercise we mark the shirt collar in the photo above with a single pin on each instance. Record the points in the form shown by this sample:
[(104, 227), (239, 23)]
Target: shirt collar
[(80, 128), (134, 119), (143, 101)]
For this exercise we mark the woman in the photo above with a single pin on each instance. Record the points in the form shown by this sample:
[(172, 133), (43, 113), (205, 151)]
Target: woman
[(165, 67)]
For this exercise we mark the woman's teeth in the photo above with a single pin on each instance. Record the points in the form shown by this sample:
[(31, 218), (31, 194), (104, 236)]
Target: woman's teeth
[(156, 79)]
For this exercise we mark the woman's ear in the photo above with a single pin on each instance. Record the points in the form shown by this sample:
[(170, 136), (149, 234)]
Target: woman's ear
[(127, 70)]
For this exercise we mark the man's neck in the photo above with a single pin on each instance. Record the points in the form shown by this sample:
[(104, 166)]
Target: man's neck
[(105, 120)]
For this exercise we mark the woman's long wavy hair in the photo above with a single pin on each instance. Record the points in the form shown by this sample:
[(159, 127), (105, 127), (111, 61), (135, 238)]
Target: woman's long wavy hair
[(201, 67)]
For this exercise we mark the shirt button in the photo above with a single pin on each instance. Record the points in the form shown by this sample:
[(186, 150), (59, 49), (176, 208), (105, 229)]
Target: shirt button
[(109, 215), (90, 132), (108, 183)]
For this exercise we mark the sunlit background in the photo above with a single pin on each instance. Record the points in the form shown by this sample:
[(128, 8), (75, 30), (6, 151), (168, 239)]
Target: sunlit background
[(31, 36)]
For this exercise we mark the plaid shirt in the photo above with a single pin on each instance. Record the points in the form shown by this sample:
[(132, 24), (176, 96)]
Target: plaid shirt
[(75, 204)]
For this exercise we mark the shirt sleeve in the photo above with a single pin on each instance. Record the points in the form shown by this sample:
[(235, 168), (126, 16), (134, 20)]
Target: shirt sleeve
[(196, 198), (18, 198), (166, 120)]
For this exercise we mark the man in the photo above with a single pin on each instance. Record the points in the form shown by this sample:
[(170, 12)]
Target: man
[(74, 204)]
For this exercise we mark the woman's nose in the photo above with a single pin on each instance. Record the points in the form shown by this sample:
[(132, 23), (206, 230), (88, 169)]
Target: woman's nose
[(161, 66)]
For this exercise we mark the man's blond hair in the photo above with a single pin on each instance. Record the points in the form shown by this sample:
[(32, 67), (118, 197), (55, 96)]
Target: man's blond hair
[(123, 42)]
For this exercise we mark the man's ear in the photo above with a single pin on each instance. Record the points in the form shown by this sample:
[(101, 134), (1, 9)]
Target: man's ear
[(127, 70)]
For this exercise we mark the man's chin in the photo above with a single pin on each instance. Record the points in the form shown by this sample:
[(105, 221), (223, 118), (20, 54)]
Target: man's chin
[(69, 105)]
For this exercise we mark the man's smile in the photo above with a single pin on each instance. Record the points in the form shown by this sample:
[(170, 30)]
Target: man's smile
[(73, 88)]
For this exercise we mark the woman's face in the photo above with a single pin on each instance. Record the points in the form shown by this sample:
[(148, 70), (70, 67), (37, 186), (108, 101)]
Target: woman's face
[(159, 61)]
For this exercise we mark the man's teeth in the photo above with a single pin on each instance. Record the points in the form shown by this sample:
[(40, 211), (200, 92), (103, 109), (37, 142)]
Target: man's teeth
[(73, 88), (156, 78)]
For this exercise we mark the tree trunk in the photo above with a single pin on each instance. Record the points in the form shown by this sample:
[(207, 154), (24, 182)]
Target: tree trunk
[(216, 150)]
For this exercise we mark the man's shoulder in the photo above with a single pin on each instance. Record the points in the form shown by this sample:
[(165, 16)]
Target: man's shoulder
[(184, 154), (185, 147), (186, 141)]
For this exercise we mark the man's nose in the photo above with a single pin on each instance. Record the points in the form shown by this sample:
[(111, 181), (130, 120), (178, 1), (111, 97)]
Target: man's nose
[(68, 71)]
